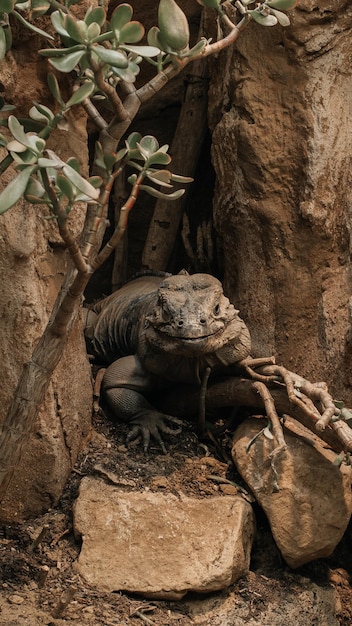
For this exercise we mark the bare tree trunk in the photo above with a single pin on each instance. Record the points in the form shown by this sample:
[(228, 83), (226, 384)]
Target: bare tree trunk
[(185, 151)]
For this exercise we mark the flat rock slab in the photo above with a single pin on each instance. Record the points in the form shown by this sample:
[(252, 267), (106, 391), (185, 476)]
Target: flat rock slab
[(307, 499), (160, 545)]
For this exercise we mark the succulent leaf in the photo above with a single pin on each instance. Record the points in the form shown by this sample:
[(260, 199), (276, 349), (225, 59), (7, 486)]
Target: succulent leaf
[(39, 7), (148, 145), (65, 186), (81, 183), (3, 44), (173, 25), (67, 63), (282, 4), (121, 16), (58, 22), (96, 15), (143, 51), (263, 20), (125, 73), (159, 158), (77, 30), (112, 57), (210, 4), (165, 196), (15, 189), (93, 31), (81, 94), (6, 6), (54, 88), (281, 17)]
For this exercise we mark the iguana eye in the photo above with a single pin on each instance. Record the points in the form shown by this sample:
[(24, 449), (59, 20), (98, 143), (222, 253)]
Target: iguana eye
[(216, 309)]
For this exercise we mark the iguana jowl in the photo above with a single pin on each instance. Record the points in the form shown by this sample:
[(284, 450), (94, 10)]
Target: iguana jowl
[(155, 332)]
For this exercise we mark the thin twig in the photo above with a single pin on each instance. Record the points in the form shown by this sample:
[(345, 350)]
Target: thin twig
[(63, 603), (34, 545), (202, 395), (271, 412)]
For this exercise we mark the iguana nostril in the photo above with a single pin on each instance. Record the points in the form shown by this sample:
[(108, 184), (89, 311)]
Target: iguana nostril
[(202, 320), (180, 322)]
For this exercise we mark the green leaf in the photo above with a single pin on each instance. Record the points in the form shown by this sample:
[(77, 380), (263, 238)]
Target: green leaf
[(121, 16), (143, 51), (81, 94), (93, 31), (132, 140), (197, 49), (39, 7), (96, 181), (7, 6), (37, 114), (81, 183), (263, 20), (58, 22), (15, 189), (125, 73), (131, 32), (152, 37), (148, 145), (96, 15), (16, 146), (177, 178), (282, 4), (73, 162), (60, 52), (112, 57), (159, 158), (39, 31), (76, 29), (17, 130), (109, 161), (65, 186), (34, 188), (211, 4), (281, 17), (3, 44), (67, 63), (165, 196), (163, 181), (54, 88)]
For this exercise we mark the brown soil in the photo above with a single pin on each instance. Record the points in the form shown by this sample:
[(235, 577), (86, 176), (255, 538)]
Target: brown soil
[(36, 581)]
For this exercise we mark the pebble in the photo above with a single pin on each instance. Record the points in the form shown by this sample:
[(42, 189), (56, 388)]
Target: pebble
[(228, 490), (15, 599)]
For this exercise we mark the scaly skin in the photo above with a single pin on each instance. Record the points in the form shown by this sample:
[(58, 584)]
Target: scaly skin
[(155, 332)]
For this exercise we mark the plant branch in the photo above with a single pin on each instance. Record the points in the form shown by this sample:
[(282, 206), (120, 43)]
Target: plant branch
[(121, 225)]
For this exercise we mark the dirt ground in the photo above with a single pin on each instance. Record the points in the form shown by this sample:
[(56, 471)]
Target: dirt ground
[(39, 584)]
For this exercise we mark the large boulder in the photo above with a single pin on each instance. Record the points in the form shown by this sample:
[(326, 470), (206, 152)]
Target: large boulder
[(307, 499), (160, 545)]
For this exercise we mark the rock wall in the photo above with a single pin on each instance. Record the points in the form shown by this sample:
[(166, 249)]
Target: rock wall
[(32, 266), (280, 114)]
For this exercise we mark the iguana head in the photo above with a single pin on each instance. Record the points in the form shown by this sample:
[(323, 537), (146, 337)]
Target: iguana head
[(191, 316)]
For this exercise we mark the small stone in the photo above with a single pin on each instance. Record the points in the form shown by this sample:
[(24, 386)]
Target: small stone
[(15, 599), (228, 490), (160, 482)]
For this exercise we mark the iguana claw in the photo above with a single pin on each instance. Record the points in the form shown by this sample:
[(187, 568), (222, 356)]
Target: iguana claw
[(151, 424)]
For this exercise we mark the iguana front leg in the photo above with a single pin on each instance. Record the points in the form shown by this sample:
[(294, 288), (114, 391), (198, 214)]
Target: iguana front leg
[(125, 385)]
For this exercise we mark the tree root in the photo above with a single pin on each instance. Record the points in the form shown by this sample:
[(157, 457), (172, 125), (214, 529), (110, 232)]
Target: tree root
[(312, 398), (260, 383)]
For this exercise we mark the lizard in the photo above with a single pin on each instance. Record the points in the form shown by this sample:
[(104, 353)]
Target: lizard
[(157, 331)]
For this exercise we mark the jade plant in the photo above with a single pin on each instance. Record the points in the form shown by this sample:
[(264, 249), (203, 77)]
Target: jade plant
[(101, 57)]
